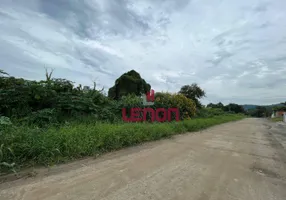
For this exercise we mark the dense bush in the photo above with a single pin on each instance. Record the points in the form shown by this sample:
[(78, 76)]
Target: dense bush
[(57, 100), (186, 106), (129, 83), (50, 101), (162, 100)]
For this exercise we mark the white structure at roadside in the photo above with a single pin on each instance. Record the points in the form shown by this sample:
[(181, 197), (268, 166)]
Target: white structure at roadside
[(284, 117)]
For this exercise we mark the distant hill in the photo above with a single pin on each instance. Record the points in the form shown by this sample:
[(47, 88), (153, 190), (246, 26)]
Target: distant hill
[(251, 106)]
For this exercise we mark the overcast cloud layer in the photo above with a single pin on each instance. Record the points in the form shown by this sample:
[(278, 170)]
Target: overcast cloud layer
[(235, 50)]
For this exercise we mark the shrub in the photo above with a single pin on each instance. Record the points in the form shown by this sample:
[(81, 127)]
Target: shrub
[(5, 121), (186, 106), (28, 99), (42, 118)]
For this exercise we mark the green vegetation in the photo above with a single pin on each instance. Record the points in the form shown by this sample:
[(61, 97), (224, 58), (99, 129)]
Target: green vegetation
[(129, 83), (193, 92), (280, 107), (277, 119), (232, 107), (260, 111), (52, 121), (25, 146)]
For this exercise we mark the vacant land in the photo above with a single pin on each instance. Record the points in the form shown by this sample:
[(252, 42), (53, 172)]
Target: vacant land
[(238, 160)]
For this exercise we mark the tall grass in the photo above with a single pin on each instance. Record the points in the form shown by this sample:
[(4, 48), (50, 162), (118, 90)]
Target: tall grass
[(22, 146)]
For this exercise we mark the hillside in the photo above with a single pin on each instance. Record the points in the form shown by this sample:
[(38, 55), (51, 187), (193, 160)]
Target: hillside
[(251, 106)]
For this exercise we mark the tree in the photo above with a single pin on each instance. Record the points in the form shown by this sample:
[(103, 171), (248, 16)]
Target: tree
[(260, 111), (219, 105), (3, 73), (129, 83), (232, 107), (193, 92), (279, 108)]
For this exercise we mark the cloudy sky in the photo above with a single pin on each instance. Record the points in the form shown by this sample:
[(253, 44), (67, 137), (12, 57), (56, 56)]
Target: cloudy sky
[(234, 49)]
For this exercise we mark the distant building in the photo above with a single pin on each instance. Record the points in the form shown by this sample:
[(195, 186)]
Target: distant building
[(279, 113)]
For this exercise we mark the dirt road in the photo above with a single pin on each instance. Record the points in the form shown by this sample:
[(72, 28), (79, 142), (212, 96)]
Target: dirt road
[(240, 160)]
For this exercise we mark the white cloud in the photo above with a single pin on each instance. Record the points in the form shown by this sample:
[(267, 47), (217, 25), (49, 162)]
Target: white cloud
[(234, 49)]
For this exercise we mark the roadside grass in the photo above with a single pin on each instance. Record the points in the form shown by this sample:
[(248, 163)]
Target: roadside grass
[(22, 146), (277, 119)]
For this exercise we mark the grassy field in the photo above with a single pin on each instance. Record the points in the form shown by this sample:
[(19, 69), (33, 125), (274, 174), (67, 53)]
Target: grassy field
[(277, 119), (23, 146)]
